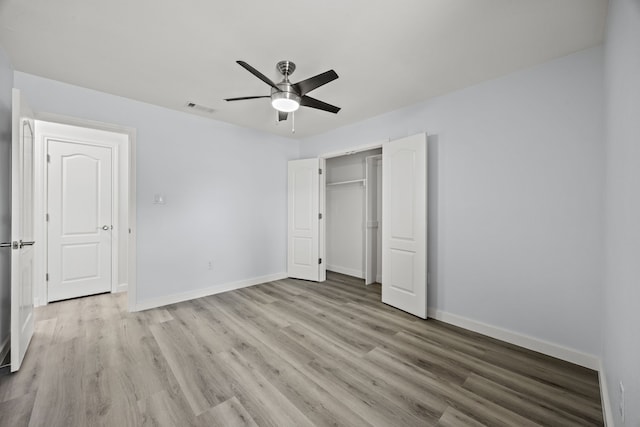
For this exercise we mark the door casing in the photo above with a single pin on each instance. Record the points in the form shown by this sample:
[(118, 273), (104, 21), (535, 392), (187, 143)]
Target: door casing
[(323, 200), (125, 165)]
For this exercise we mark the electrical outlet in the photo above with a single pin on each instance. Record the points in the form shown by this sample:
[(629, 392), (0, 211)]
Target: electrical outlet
[(621, 401)]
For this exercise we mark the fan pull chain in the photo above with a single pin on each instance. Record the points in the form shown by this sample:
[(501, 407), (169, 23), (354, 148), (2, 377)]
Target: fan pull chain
[(293, 122)]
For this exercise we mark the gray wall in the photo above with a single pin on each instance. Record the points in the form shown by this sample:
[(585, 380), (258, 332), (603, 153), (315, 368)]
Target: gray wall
[(621, 291), (225, 189), (6, 84), (515, 194)]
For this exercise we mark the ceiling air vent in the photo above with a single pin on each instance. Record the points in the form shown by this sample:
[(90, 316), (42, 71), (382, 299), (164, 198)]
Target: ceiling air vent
[(200, 108)]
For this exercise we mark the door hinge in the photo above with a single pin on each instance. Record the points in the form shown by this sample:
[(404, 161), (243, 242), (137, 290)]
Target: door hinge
[(47, 277), (320, 171), (46, 216), (319, 260), (48, 158), (319, 216)]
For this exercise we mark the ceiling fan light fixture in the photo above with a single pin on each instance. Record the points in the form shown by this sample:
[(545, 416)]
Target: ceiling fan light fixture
[(286, 102), (287, 97)]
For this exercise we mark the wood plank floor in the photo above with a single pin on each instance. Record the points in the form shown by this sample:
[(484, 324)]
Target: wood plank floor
[(285, 353)]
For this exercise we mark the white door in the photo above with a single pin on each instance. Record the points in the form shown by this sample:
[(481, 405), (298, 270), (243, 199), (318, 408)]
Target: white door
[(80, 227), (371, 219), (404, 224), (22, 225), (303, 260)]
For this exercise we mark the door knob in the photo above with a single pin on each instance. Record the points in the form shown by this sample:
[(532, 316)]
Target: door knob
[(23, 244), (105, 227)]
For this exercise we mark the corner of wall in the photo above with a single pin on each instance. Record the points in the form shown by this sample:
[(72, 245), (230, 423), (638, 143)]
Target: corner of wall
[(6, 86), (605, 400), (516, 338), (201, 293)]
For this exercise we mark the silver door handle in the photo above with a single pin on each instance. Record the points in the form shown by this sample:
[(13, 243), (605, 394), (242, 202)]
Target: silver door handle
[(107, 227), (13, 245), (22, 244)]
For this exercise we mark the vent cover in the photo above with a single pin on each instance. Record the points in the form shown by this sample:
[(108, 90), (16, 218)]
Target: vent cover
[(200, 108)]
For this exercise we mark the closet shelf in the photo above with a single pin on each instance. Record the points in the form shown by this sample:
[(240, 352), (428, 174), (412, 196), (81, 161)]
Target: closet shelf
[(353, 181)]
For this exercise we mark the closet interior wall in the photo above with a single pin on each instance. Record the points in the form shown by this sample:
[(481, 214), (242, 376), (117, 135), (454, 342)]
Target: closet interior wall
[(346, 210)]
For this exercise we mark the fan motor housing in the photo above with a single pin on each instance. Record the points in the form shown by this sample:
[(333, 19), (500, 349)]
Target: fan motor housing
[(286, 68)]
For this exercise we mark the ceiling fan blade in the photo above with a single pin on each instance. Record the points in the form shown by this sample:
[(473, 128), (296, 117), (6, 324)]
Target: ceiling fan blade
[(315, 82), (258, 74), (282, 116), (308, 101), (246, 97)]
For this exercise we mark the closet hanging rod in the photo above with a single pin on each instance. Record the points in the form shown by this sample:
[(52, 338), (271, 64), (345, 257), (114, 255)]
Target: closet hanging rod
[(353, 181)]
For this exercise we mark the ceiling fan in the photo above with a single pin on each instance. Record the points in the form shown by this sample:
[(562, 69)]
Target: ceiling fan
[(287, 97)]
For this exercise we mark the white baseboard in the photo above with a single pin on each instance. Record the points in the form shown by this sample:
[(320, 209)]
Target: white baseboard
[(604, 396), (344, 270), (199, 293), (5, 347), (122, 287), (516, 338)]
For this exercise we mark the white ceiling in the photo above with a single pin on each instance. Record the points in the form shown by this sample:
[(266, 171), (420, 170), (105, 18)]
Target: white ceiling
[(388, 54)]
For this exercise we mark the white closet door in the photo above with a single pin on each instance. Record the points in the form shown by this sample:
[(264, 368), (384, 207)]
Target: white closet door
[(303, 261), (404, 224), (371, 219), (22, 226)]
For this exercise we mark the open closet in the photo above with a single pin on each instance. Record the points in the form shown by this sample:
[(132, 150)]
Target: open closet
[(363, 213), (353, 207)]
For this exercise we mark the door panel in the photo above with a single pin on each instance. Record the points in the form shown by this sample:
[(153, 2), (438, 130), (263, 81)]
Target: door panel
[(80, 219), (80, 194), (404, 224), (80, 261), (303, 212), (22, 229), (402, 269)]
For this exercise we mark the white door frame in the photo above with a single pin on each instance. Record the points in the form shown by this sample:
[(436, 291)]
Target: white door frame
[(323, 199), (126, 167)]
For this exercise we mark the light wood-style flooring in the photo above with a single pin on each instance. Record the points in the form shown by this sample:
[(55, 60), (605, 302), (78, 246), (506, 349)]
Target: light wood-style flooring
[(285, 353)]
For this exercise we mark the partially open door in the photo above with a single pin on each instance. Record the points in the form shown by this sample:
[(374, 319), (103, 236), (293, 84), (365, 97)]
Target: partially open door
[(404, 224), (22, 228), (372, 222), (303, 260)]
